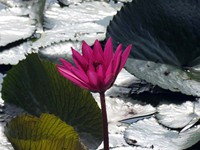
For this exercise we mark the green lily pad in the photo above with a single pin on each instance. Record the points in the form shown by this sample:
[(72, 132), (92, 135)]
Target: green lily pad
[(165, 37), (47, 132), (37, 87)]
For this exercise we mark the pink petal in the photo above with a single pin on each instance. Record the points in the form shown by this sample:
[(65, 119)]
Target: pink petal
[(100, 74), (65, 63), (79, 61), (109, 80), (92, 76), (87, 51), (91, 67), (117, 60), (125, 56), (81, 75), (69, 75), (101, 77), (109, 69), (97, 51), (108, 52)]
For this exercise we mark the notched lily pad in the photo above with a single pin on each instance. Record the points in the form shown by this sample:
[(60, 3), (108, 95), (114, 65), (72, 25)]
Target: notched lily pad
[(65, 23), (15, 54), (60, 50), (165, 37), (48, 131)]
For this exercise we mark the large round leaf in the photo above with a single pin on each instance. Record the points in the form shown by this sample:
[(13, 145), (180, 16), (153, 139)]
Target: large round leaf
[(165, 37), (47, 132), (37, 87)]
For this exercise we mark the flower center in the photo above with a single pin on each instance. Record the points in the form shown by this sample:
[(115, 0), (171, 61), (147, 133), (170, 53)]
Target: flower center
[(96, 65)]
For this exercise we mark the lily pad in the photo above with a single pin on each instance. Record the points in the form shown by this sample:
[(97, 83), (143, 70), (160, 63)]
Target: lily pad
[(65, 23), (58, 27), (165, 76), (14, 26), (37, 87), (148, 133), (165, 37), (59, 50), (89, 12), (15, 54), (178, 116), (17, 3), (48, 131)]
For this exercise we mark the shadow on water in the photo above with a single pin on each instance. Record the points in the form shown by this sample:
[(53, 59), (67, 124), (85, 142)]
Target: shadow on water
[(13, 44), (156, 98), (155, 95), (5, 68)]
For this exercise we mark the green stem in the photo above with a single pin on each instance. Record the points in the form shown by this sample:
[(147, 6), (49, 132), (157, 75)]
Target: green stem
[(105, 121)]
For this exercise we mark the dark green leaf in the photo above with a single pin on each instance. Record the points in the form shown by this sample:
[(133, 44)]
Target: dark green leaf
[(37, 87), (165, 35)]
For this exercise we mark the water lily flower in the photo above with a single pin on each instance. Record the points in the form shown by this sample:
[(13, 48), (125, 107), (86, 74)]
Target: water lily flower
[(95, 70)]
